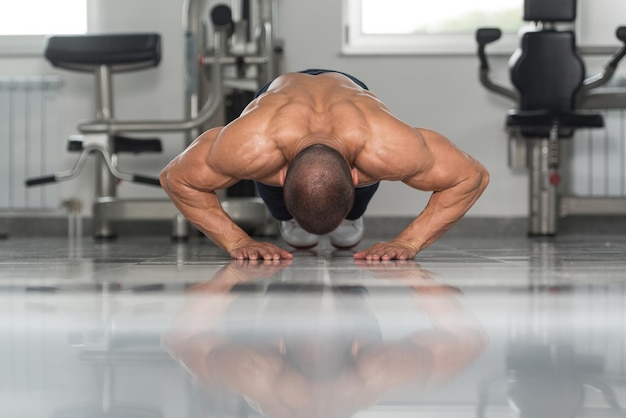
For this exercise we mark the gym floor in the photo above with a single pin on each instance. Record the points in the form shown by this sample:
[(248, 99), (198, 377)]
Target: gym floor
[(145, 327)]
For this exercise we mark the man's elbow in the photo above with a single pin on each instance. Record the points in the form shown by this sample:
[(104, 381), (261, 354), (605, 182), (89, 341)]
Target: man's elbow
[(483, 178), (163, 178), (167, 178)]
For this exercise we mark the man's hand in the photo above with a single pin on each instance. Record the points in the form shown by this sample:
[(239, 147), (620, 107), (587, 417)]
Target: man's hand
[(249, 270), (410, 273), (391, 250), (255, 250)]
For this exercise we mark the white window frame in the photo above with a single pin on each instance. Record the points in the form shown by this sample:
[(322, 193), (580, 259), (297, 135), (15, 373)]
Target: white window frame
[(356, 43), (595, 26), (29, 45)]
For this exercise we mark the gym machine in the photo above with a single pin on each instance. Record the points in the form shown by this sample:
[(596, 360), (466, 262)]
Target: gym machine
[(243, 38), (551, 93)]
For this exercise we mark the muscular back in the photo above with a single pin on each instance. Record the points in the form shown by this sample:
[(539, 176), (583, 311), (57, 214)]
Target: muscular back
[(299, 110)]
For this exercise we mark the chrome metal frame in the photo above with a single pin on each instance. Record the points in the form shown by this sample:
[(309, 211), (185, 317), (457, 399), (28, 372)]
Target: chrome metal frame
[(200, 62)]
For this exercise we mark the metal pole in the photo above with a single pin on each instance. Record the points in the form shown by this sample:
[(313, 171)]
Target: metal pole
[(209, 109), (105, 181), (542, 190), (194, 44)]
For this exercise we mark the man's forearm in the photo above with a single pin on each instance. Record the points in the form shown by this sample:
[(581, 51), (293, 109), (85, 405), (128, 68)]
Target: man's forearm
[(204, 211), (215, 224), (444, 209)]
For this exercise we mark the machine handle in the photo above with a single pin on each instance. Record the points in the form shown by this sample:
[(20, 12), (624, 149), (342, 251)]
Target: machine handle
[(620, 33), (605, 76), (485, 36), (35, 181), (152, 181)]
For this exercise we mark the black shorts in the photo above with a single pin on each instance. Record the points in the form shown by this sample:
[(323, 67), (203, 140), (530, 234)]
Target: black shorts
[(315, 71), (273, 198)]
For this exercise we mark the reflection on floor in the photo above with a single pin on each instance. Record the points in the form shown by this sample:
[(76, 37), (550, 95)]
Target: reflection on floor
[(143, 327)]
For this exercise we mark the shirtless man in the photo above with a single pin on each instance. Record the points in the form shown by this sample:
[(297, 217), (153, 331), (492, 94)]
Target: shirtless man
[(317, 143)]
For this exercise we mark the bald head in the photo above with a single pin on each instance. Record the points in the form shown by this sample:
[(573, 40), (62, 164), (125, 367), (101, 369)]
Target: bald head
[(318, 189)]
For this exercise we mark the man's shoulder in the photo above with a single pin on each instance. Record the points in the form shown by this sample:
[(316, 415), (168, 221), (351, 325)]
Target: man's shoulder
[(251, 157)]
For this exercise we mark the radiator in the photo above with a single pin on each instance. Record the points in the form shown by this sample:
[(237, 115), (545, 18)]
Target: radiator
[(29, 140), (598, 165)]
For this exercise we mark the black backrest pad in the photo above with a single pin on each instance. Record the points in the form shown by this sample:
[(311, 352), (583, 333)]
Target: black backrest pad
[(550, 10), (113, 49), (548, 72)]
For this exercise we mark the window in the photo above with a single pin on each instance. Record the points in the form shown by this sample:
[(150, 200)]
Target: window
[(427, 26), (24, 23)]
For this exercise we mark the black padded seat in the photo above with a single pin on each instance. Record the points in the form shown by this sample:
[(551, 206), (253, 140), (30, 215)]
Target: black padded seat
[(534, 123), (121, 52), (122, 144)]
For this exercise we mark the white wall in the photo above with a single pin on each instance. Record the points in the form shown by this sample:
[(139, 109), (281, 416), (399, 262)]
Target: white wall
[(438, 92)]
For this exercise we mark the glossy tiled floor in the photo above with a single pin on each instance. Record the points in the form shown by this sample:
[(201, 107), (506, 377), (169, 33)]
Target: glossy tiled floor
[(143, 327)]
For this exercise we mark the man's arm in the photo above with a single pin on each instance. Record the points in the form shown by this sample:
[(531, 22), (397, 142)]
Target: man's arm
[(190, 180), (456, 180), (432, 357), (192, 336)]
